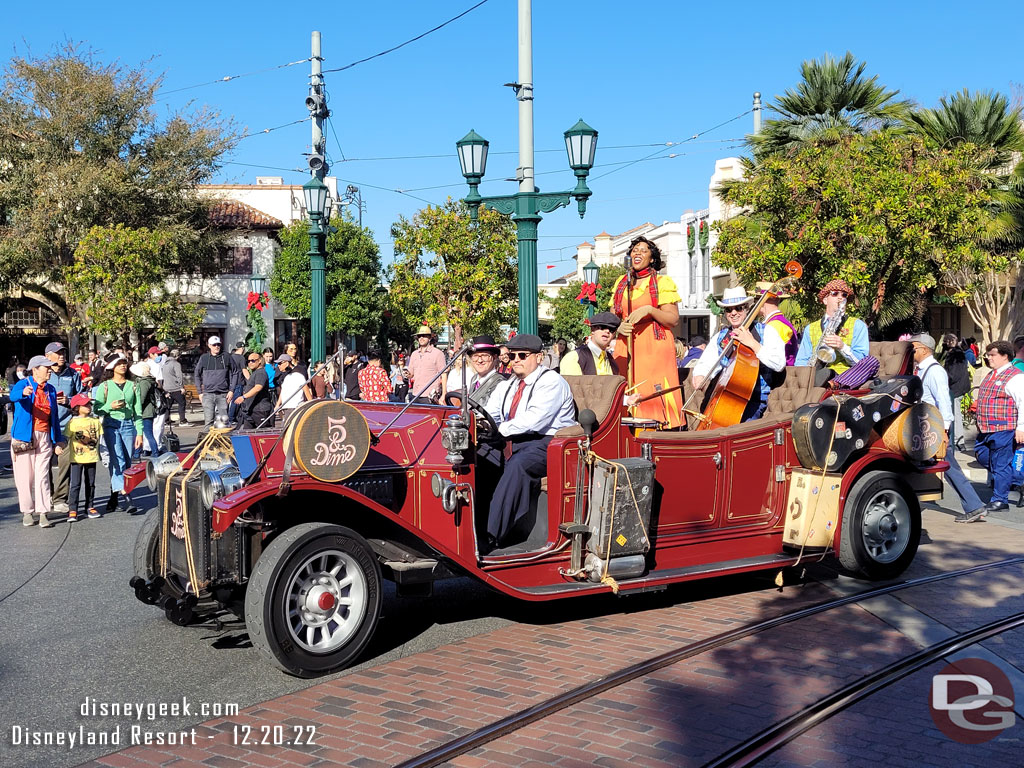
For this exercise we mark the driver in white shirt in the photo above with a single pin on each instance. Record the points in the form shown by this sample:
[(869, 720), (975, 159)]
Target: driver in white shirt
[(529, 408)]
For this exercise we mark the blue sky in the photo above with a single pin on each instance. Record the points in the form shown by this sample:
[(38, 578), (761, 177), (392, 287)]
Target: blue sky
[(643, 73)]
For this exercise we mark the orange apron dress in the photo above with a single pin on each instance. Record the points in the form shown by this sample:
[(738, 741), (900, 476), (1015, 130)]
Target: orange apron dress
[(655, 358)]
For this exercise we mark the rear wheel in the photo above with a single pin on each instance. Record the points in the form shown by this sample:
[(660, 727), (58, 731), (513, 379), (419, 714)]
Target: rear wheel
[(881, 526), (314, 598)]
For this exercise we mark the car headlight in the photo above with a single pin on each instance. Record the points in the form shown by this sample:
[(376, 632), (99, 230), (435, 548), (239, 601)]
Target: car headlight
[(218, 483), (161, 467)]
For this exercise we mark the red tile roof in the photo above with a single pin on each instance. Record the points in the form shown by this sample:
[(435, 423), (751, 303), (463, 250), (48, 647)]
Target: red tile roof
[(232, 214)]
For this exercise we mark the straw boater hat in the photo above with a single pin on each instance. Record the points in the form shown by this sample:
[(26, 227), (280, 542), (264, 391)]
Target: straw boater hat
[(734, 297), (763, 286), (424, 330)]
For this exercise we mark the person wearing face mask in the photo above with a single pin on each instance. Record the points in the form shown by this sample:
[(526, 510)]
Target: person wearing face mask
[(846, 336), (647, 304)]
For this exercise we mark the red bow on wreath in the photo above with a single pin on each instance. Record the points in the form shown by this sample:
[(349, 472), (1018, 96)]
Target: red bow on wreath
[(257, 301), (588, 293)]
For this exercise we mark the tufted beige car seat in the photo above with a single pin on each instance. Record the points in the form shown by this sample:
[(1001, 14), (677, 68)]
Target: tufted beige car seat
[(594, 392), (896, 357)]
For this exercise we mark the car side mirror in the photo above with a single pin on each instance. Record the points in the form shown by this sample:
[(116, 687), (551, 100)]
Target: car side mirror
[(588, 420)]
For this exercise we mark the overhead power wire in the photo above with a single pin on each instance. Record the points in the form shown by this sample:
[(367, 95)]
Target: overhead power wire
[(684, 141), (228, 78), (407, 42), (271, 130)]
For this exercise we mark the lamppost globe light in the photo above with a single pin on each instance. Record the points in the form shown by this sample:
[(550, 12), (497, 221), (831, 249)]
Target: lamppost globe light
[(315, 193), (258, 283), (473, 155), (581, 145)]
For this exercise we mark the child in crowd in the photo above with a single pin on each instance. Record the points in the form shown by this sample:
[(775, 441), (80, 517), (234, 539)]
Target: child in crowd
[(83, 432)]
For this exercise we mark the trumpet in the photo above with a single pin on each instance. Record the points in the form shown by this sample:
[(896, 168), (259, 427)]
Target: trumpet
[(827, 355)]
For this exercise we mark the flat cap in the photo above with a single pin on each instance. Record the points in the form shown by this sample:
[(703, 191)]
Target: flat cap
[(525, 342), (605, 320)]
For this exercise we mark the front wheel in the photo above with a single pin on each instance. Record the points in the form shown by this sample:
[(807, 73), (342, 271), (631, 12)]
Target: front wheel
[(881, 526), (314, 598)]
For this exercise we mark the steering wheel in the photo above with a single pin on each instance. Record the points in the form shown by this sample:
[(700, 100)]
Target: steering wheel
[(485, 420)]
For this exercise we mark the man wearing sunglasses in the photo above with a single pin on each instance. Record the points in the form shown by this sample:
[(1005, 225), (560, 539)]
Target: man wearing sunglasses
[(764, 340), (255, 404), (849, 340), (529, 408)]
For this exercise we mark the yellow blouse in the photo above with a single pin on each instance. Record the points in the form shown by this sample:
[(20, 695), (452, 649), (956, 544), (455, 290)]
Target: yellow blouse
[(667, 291)]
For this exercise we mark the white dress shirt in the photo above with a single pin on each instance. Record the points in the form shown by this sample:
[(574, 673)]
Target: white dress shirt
[(772, 353), (1015, 389), (545, 407), (936, 388)]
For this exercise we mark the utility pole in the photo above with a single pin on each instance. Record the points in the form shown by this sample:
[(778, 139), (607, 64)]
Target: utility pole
[(526, 219), (527, 204), (757, 112), (316, 102)]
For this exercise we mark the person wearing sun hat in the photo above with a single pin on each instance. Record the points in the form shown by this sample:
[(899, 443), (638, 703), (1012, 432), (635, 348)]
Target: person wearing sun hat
[(35, 435), (426, 362), (763, 340), (850, 341), (772, 315)]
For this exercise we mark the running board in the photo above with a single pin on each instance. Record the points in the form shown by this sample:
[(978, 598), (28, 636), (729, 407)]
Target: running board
[(670, 574)]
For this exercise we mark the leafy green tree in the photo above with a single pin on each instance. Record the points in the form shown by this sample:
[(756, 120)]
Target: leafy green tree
[(880, 211), (988, 287), (569, 314), (81, 147), (450, 271), (119, 279), (355, 296), (833, 98)]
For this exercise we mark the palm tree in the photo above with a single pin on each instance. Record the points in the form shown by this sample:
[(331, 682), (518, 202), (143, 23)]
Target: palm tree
[(834, 98), (986, 120)]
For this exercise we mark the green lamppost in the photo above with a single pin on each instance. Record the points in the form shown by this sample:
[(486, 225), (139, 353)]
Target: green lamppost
[(315, 193), (526, 206), (591, 274)]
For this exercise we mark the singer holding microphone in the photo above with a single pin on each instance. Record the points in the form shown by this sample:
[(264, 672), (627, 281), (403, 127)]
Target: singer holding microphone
[(645, 348)]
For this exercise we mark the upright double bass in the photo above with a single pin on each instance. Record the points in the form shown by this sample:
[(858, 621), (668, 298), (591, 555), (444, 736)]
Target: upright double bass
[(739, 366)]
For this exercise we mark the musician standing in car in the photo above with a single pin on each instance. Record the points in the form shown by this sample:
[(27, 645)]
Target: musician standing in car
[(645, 351), (763, 340), (529, 408), (838, 340)]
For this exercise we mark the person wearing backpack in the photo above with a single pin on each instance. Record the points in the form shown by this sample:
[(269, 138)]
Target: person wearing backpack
[(959, 374), (146, 384)]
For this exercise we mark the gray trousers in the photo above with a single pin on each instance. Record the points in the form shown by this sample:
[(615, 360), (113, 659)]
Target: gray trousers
[(60, 478), (214, 404)]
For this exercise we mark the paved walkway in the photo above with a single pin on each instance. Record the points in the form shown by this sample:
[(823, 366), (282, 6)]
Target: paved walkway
[(685, 714)]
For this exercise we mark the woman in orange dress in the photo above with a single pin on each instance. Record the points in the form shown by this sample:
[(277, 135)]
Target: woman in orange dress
[(647, 303)]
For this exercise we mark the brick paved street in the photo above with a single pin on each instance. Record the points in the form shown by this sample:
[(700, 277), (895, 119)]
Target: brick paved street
[(682, 715)]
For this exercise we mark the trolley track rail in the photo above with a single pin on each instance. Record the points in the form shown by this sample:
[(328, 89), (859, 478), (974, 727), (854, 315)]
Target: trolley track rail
[(525, 717), (767, 741)]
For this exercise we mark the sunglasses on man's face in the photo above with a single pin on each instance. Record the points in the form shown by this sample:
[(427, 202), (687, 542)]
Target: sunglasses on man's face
[(836, 293), (520, 355), (255, 359)]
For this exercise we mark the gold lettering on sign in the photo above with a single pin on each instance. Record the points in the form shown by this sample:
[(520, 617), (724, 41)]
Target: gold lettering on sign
[(178, 516), (336, 451)]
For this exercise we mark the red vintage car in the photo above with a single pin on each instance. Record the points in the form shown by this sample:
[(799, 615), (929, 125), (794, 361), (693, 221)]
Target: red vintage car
[(295, 530)]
